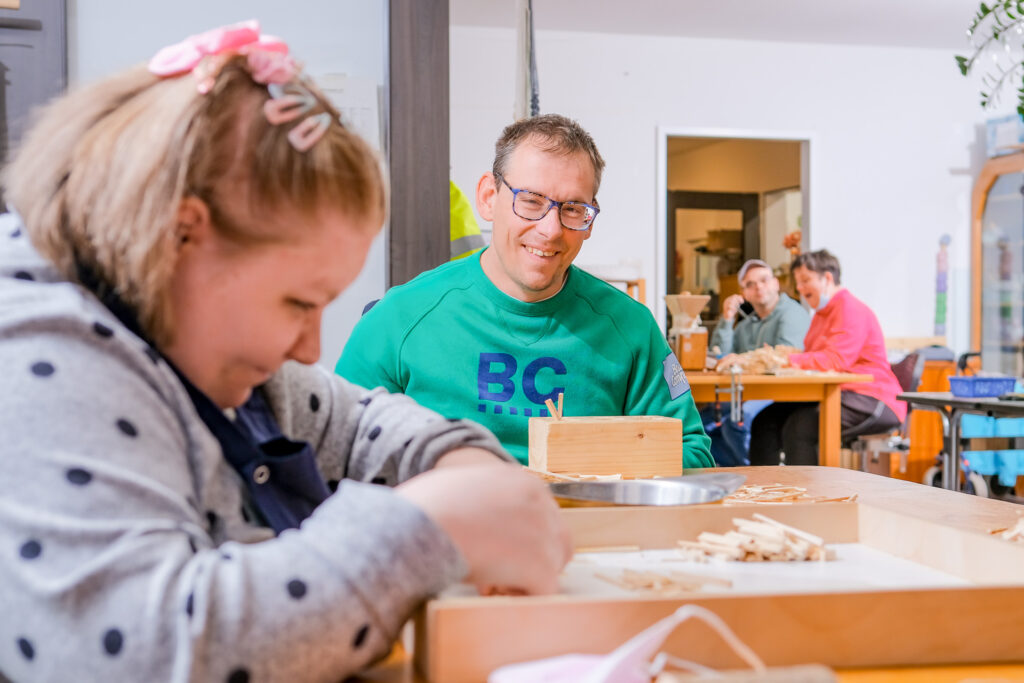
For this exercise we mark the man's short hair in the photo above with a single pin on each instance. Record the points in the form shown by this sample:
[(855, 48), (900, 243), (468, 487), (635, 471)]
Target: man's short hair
[(552, 133), (820, 262), (752, 263)]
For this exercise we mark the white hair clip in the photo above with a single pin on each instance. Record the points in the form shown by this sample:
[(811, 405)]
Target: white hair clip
[(288, 102)]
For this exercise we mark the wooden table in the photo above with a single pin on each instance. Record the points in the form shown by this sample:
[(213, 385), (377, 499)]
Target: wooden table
[(947, 507), (822, 388)]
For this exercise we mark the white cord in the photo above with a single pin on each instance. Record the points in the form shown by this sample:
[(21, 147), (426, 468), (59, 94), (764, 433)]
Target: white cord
[(721, 628)]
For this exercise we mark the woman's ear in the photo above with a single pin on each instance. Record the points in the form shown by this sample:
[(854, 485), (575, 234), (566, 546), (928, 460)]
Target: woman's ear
[(486, 193), (192, 222)]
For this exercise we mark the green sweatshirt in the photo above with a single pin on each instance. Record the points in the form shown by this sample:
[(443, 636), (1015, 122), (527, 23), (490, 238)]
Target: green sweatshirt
[(454, 342)]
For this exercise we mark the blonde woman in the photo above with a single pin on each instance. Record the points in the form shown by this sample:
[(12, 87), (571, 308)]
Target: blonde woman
[(184, 495)]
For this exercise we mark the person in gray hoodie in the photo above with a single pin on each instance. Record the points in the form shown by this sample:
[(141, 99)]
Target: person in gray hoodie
[(771, 317), (185, 496)]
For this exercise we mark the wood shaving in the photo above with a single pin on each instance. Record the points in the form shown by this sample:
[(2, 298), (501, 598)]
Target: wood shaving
[(556, 477), (1014, 533), (765, 360), (761, 539), (779, 494), (663, 583)]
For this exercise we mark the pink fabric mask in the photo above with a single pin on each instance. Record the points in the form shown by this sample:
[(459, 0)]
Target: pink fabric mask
[(630, 662)]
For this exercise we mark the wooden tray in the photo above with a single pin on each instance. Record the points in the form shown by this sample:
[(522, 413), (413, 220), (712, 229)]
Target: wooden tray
[(462, 639)]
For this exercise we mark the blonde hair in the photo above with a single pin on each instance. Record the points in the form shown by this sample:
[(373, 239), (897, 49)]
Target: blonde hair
[(99, 179)]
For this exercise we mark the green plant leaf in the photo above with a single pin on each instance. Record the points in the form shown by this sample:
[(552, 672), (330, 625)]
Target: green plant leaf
[(962, 63)]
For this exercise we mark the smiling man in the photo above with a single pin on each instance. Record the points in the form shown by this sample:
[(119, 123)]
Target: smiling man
[(490, 337)]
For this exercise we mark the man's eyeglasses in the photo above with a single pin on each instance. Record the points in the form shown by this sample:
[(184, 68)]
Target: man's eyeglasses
[(532, 207)]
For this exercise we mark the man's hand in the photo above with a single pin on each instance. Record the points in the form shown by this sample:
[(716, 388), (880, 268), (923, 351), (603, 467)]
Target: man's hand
[(502, 519), (726, 361), (731, 304)]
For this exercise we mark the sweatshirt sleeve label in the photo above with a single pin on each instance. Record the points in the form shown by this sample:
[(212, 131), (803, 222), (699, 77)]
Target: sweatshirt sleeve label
[(674, 376)]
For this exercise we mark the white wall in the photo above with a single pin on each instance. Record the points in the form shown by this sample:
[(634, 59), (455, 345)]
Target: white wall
[(893, 156), (329, 36)]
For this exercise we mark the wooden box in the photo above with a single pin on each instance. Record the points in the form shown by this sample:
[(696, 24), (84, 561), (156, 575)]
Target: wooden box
[(978, 618), (692, 348), (633, 446)]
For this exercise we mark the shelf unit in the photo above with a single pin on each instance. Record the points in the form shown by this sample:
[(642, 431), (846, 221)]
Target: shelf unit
[(997, 265)]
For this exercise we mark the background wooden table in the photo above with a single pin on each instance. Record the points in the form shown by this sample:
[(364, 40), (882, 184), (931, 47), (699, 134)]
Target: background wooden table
[(947, 507), (817, 387)]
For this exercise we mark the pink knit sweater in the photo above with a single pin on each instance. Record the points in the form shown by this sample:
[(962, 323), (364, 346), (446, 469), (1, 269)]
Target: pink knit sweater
[(845, 336)]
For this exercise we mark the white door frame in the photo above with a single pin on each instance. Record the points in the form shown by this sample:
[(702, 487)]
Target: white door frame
[(808, 171)]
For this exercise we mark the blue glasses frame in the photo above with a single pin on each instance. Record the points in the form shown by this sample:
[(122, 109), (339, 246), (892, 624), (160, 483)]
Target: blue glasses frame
[(591, 210)]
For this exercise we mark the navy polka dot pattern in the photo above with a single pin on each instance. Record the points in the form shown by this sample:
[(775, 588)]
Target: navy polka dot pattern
[(113, 641), (238, 676), (360, 638), (78, 476), (297, 589), (43, 368), (119, 430), (24, 275), (127, 428), (30, 550), (16, 234)]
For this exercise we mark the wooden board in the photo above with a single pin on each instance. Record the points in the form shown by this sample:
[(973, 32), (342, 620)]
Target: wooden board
[(633, 446), (462, 639)]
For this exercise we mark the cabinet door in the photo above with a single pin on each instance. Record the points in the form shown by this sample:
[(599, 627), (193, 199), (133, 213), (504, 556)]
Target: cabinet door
[(1002, 277)]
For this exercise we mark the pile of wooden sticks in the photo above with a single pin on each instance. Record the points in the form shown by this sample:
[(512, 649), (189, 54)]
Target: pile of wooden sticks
[(761, 539)]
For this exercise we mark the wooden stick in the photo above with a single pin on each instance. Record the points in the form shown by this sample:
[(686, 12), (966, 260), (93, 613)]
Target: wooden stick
[(551, 408), (608, 549), (560, 395), (810, 538)]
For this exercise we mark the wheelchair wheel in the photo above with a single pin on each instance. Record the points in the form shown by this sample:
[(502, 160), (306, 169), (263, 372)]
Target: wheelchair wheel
[(997, 490), (974, 483)]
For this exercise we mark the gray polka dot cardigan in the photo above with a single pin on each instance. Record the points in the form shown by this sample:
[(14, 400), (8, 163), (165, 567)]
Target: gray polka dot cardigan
[(125, 554)]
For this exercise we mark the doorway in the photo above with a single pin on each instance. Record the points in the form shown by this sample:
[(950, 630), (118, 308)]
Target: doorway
[(726, 197)]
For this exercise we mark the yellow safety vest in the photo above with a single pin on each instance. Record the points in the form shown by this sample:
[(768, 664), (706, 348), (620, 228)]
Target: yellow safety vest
[(465, 233)]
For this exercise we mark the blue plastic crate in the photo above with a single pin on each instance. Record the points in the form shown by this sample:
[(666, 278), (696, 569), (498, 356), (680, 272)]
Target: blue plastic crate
[(980, 387), (1009, 465), (977, 426), (1011, 427), (982, 462)]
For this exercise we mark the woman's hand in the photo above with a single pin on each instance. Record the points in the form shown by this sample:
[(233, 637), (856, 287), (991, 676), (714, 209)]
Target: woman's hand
[(502, 519)]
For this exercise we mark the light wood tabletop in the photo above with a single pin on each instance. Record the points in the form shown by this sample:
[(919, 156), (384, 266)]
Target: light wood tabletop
[(947, 507), (820, 387)]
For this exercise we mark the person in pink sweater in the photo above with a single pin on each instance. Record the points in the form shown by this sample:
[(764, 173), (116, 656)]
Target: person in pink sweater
[(844, 336)]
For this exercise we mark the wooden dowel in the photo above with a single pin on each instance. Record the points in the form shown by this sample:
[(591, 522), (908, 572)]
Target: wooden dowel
[(560, 395), (551, 408)]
